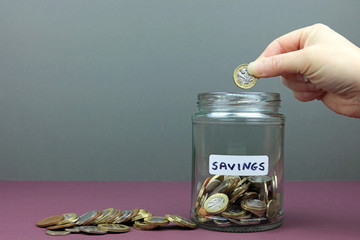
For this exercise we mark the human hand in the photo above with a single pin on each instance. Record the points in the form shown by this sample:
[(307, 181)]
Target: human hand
[(315, 63)]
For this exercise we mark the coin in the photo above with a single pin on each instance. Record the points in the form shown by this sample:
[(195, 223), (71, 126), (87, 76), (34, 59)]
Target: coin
[(264, 193), (73, 229), (56, 233), (158, 221), (135, 212), (105, 214), (170, 218), (69, 218), (258, 181), (207, 180), (249, 221), (123, 216), (114, 228), (92, 230), (183, 221), (113, 217), (201, 193), (140, 225), (222, 186), (234, 212), (249, 195), (242, 78), (230, 189), (141, 214), (238, 192), (61, 226), (254, 206), (222, 223), (217, 203), (202, 212), (50, 221), (272, 209), (212, 185), (88, 217)]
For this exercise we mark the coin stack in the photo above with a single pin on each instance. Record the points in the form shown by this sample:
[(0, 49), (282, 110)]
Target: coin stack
[(109, 220), (233, 200)]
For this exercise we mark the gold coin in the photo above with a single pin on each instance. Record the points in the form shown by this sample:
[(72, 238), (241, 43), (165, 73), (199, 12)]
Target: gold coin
[(200, 195), (113, 217), (254, 206), (157, 221), (56, 233), (184, 222), (61, 226), (238, 192), (114, 228), (242, 78), (49, 221), (249, 195), (223, 186), (170, 218), (140, 225), (105, 214), (217, 203), (272, 209), (234, 212), (68, 218)]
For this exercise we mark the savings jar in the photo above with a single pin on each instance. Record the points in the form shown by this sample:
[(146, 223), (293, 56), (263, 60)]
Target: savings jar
[(237, 157)]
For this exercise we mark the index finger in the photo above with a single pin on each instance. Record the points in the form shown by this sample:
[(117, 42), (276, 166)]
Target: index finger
[(289, 42)]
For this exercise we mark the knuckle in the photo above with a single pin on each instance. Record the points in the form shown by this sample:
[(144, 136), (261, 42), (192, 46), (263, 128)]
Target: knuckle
[(276, 62)]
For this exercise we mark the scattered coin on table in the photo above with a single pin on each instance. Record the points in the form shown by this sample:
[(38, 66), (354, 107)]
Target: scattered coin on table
[(97, 222)]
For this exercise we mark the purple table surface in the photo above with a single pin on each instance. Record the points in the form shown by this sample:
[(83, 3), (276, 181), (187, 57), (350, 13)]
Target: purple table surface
[(313, 210)]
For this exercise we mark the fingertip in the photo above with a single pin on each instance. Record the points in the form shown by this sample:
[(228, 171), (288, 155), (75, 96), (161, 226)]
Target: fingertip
[(253, 68)]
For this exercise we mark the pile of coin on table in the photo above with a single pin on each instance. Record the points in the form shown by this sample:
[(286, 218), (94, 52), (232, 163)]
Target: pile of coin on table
[(232, 201), (109, 220)]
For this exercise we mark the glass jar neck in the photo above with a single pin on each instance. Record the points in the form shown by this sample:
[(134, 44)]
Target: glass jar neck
[(239, 102)]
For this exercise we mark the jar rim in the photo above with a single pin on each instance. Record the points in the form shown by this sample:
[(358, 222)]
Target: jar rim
[(238, 97)]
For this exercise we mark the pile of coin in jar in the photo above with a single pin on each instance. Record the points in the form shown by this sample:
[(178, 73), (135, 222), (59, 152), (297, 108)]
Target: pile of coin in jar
[(109, 220), (233, 201)]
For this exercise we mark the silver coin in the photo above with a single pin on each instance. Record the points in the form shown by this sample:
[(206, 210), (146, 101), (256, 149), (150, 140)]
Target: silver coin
[(222, 187), (216, 203), (123, 216), (242, 78), (258, 181), (92, 230), (255, 203), (86, 217), (222, 223), (56, 233), (212, 185), (73, 230), (216, 218), (249, 221)]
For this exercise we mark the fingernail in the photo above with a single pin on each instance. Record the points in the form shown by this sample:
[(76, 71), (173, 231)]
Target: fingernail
[(255, 68), (251, 69)]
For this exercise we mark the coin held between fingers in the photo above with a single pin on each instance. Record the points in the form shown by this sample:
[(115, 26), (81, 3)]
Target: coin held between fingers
[(242, 78)]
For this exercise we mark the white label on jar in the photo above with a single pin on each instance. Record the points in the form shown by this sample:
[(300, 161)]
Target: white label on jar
[(239, 165)]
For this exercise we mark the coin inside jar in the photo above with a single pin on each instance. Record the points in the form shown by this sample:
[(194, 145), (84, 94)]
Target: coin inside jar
[(258, 181), (254, 206), (216, 203)]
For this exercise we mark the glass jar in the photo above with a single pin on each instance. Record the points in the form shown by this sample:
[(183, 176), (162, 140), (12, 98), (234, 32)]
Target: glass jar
[(237, 182)]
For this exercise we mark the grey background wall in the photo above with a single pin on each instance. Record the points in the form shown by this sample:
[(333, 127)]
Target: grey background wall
[(104, 90)]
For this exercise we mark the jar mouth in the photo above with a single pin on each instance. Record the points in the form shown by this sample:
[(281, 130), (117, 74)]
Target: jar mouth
[(237, 98)]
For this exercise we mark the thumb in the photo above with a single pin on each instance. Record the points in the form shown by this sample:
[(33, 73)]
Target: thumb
[(286, 63)]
